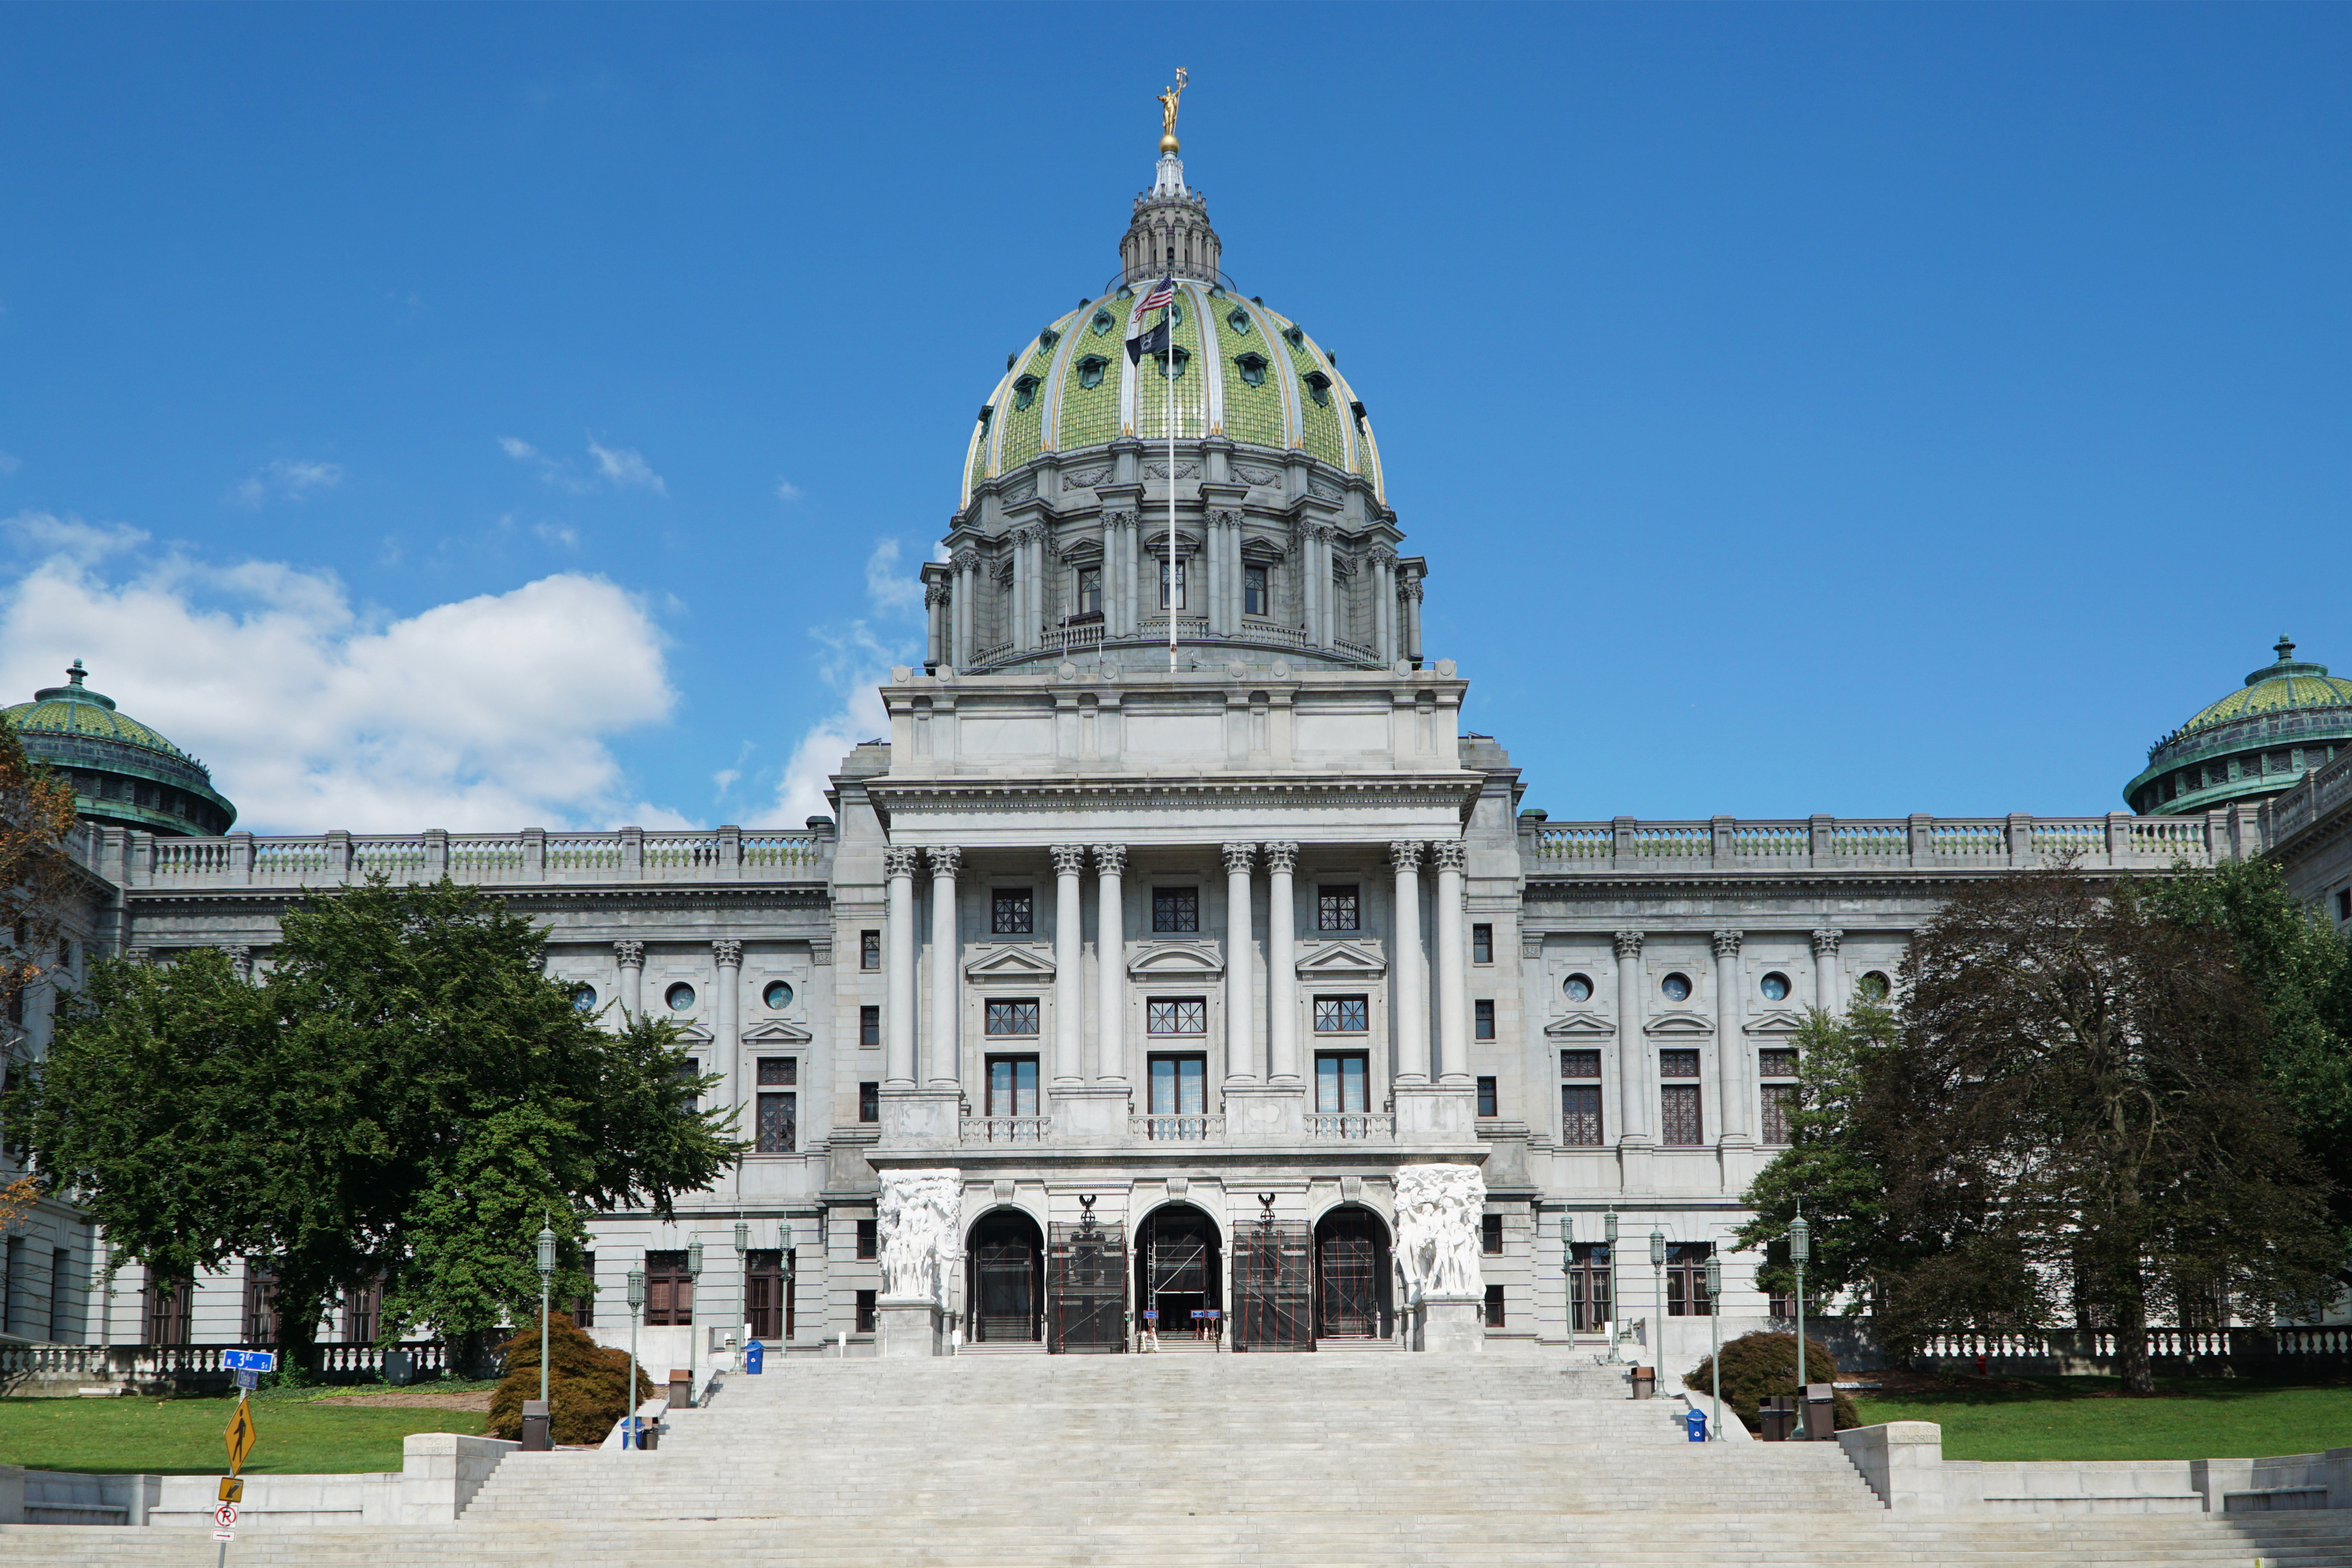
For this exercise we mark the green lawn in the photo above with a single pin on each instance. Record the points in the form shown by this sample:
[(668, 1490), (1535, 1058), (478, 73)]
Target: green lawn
[(2081, 1418), (182, 1436)]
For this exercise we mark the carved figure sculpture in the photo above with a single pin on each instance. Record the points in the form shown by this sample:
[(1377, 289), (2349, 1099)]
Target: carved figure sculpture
[(1168, 101), (918, 1215), (1437, 1209)]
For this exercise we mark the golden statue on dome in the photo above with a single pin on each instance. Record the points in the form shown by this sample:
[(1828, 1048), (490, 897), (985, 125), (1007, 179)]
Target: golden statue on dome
[(1168, 101)]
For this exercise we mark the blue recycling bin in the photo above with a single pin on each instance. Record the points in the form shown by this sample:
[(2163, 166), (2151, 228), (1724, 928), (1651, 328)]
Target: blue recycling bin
[(754, 1354), (1694, 1422)]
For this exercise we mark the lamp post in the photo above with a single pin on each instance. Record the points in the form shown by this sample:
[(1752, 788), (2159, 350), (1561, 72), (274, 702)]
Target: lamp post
[(693, 1286), (630, 1438), (1568, 1273), (1801, 1248), (1715, 1340), (785, 1248), (1616, 1326), (742, 1273), (1658, 1317), (546, 1273)]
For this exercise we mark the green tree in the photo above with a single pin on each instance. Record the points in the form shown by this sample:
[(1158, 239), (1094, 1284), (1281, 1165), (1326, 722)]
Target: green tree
[(406, 1096)]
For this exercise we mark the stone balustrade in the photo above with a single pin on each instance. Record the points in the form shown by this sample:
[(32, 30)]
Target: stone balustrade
[(138, 859), (2117, 841), (2322, 791)]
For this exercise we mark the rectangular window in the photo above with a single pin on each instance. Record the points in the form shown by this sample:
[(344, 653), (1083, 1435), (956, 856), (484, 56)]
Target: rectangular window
[(779, 1123), (1179, 1085), (1342, 1015), (1580, 1063), (1775, 1062), (688, 1072), (1164, 569), (60, 1265), (1015, 1016), (1580, 1116), (869, 1026), (1486, 1098), (1176, 910), (1589, 1299), (1012, 913), (869, 1102), (767, 1311), (779, 1072), (1482, 1019), (1340, 1080), (1678, 1118), (260, 1304), (1176, 1016), (2343, 903), (869, 1238), (1482, 944), (670, 1290), (866, 1311), (1686, 1278), (1012, 1086), (1089, 594), (1782, 1303), (1779, 1098), (1254, 599), (583, 1307), (1494, 1305), (869, 949), (1677, 1064), (364, 1307), (1337, 909), (1490, 1235), (170, 1304)]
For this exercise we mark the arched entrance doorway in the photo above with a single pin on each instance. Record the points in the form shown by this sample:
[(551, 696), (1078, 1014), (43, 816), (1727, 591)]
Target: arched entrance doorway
[(1178, 1269), (1004, 1286), (1354, 1294)]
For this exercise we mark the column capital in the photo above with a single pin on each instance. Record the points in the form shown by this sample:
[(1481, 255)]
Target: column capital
[(945, 858), (728, 953), (1404, 855), (1825, 941), (898, 862), (1727, 943), (1239, 859), (1450, 855), (965, 560), (629, 954), (1629, 944), (1069, 859), (1110, 860), (1282, 856)]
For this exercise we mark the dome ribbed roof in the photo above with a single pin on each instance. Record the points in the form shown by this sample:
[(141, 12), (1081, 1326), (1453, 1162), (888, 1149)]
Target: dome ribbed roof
[(124, 773), (76, 709), (2274, 688)]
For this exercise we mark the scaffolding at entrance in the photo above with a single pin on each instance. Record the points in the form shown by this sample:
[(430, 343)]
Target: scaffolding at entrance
[(1086, 1283), (1273, 1286)]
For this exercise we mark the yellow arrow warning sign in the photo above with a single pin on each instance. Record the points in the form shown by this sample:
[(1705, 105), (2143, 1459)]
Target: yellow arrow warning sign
[(240, 1437)]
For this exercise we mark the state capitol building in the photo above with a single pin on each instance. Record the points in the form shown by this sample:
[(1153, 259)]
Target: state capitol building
[(1173, 924)]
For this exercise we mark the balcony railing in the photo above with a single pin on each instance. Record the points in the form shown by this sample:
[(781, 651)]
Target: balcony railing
[(2321, 792), (1007, 1129), (2116, 842), (1178, 1128), (1360, 1125), (155, 1363), (532, 856)]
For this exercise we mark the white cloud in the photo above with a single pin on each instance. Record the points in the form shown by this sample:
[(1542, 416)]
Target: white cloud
[(618, 467), (854, 662), (890, 593), (787, 490), (624, 470), (288, 480), (493, 712), (47, 533), (556, 534), (521, 451)]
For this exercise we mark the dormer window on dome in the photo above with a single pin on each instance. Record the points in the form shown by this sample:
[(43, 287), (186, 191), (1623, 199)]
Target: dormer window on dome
[(1090, 369), (1238, 319), (1047, 338), (1252, 366), (1104, 321), (1295, 336), (1024, 391), (1318, 388), (1178, 357)]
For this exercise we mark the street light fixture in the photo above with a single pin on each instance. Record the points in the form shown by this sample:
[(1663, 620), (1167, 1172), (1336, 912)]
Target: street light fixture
[(1568, 1273), (546, 1275), (784, 1245), (1715, 1340), (1800, 1249), (1616, 1325), (693, 1288), (631, 1437), (1658, 1317)]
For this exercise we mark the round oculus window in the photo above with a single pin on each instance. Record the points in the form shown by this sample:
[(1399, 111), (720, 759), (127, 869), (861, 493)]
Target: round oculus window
[(680, 997), (1775, 987), (1675, 987), (777, 996), (1577, 988), (1875, 985), (585, 998)]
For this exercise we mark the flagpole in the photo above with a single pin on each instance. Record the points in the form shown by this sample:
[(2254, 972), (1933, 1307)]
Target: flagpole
[(1175, 599)]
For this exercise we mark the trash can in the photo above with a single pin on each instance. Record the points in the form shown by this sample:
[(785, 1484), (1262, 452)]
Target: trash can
[(1778, 1416), (1820, 1412), (1695, 1423), (755, 1356), (1645, 1382), (534, 1427), (681, 1388)]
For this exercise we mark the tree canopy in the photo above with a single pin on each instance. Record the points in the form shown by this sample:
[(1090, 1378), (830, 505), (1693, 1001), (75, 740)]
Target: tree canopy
[(405, 1097)]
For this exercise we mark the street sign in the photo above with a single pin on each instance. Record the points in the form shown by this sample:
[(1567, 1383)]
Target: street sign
[(247, 1378), (223, 1537), (239, 1436), (248, 1360), (232, 1489), (225, 1516)]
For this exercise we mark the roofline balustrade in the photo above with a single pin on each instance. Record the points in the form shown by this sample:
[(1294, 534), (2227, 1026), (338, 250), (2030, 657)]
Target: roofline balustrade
[(532, 857), (2119, 841)]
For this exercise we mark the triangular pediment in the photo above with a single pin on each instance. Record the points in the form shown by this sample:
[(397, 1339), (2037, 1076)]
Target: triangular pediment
[(1581, 1027), (1176, 961), (1344, 960), (1679, 1022), (695, 1035), (1020, 963), (776, 1031), (1779, 1021)]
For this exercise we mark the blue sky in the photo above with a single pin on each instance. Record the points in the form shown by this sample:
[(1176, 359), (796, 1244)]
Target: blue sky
[(440, 415)]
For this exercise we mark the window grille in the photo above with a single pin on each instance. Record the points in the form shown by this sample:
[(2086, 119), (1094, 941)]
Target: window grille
[(1678, 1119), (1580, 1116), (869, 949), (1341, 1015), (1580, 1063), (1775, 1062), (1256, 601), (779, 1116), (1176, 910), (1780, 1099), (1338, 909), (1177, 1015), (779, 1072), (1018, 1016), (1482, 944), (1012, 912), (1677, 1064)]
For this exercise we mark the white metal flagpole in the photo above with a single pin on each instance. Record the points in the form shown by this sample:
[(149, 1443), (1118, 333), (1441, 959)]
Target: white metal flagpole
[(1175, 599)]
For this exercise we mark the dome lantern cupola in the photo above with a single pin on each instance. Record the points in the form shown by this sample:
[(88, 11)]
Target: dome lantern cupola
[(2290, 716), (124, 774)]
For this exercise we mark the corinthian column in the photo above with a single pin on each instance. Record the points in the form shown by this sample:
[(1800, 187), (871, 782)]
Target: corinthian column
[(1110, 964), (1281, 965), (631, 957), (945, 1058), (1069, 959), (1731, 1077), (728, 1016), (1241, 1014), (1404, 966), (1825, 970), (1453, 1006), (1633, 1059), (898, 964)]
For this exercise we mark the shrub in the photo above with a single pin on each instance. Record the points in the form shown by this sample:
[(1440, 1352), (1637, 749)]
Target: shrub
[(1756, 1367), (585, 1384)]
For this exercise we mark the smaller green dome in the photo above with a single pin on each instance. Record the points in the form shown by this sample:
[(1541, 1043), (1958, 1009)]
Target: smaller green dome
[(124, 773), (2289, 717), (2274, 688)]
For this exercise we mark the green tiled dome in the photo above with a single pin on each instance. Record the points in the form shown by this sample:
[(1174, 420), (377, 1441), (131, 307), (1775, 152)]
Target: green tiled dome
[(2288, 718), (124, 773), (2275, 688)]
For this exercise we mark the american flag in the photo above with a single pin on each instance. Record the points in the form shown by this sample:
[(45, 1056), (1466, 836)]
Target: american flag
[(1162, 293)]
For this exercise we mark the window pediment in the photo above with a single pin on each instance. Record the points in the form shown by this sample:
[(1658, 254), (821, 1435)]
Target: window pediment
[(1778, 1021), (1679, 1022), (1024, 966), (1176, 962), (1585, 1025), (776, 1031), (1344, 960)]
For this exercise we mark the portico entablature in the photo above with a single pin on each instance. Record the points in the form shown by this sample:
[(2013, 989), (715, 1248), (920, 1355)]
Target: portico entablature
[(1140, 812)]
